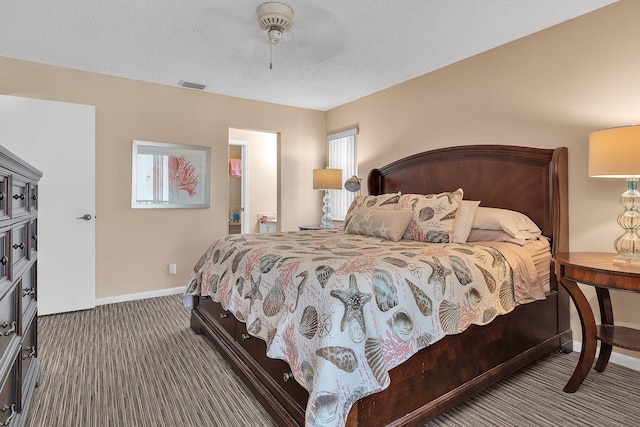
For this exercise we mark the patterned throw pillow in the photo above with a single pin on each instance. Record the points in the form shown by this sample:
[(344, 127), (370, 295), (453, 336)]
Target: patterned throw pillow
[(433, 215), (385, 223), (382, 201)]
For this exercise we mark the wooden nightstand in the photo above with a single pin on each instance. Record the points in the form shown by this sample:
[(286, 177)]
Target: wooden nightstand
[(598, 270)]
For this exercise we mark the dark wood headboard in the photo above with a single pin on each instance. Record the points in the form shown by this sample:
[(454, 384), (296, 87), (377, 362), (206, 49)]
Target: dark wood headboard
[(533, 181)]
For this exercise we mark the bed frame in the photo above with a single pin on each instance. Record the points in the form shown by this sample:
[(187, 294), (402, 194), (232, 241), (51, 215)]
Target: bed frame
[(529, 180)]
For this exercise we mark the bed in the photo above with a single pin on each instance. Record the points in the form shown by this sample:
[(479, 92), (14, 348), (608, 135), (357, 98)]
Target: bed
[(357, 334)]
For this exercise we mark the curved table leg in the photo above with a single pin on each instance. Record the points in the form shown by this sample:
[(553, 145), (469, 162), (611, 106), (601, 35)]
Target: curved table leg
[(588, 323), (606, 317)]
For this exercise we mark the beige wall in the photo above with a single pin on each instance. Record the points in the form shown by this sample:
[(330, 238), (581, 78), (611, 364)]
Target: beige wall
[(549, 89), (135, 246)]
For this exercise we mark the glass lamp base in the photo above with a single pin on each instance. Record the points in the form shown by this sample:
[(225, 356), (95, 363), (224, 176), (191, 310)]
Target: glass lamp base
[(628, 245), (327, 220)]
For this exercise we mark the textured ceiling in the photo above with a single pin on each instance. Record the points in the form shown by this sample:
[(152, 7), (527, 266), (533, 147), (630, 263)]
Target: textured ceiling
[(336, 52)]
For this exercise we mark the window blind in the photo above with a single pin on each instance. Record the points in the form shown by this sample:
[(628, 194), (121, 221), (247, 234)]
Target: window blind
[(343, 155)]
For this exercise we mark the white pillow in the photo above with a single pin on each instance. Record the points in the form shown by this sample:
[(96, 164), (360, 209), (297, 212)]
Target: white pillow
[(464, 220), (515, 223), (478, 235)]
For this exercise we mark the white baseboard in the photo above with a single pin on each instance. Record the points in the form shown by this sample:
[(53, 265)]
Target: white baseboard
[(141, 295), (617, 358)]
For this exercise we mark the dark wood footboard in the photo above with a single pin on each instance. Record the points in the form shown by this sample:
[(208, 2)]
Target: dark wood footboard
[(431, 382)]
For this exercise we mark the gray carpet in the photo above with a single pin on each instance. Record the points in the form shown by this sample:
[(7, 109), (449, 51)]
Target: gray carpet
[(139, 364)]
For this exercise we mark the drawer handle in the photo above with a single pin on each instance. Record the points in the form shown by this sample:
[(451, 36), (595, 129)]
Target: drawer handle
[(4, 260), (16, 196), (16, 246), (31, 352), (287, 376), (10, 331), (223, 315), (28, 292), (34, 197), (245, 337), (34, 237), (2, 196), (11, 417)]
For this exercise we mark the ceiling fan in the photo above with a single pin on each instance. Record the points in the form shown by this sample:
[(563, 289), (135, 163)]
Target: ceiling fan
[(274, 18), (317, 36)]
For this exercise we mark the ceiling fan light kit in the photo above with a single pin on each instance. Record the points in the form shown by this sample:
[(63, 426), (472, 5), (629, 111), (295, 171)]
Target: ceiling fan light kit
[(275, 18)]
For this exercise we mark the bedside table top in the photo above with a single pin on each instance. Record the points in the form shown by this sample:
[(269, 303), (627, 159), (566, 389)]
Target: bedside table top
[(309, 227), (598, 269), (316, 227)]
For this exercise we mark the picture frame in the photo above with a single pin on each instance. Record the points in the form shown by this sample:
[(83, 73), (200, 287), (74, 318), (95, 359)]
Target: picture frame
[(166, 175)]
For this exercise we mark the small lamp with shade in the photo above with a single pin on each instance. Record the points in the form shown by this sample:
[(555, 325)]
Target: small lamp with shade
[(327, 179), (615, 153)]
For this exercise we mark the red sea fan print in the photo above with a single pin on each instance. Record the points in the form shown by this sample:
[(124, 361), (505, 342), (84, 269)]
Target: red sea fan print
[(182, 176), (396, 350)]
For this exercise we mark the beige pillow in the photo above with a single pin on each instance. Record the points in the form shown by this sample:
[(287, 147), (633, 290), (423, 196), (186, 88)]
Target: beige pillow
[(433, 215), (384, 223), (382, 201), (464, 220)]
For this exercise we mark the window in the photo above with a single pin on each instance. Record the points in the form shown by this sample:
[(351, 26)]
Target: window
[(342, 155)]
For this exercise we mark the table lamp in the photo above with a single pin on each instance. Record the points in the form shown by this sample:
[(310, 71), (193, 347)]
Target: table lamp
[(615, 153), (327, 179)]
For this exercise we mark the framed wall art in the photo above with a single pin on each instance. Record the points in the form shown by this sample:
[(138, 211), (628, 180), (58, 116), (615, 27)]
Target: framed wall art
[(169, 175)]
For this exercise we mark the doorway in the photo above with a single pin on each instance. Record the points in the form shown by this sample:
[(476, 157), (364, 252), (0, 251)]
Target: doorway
[(253, 181)]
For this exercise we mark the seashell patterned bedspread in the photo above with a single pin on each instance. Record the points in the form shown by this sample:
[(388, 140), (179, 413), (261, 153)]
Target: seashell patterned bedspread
[(344, 309)]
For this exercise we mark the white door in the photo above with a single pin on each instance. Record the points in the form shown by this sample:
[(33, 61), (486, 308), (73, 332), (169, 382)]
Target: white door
[(58, 139)]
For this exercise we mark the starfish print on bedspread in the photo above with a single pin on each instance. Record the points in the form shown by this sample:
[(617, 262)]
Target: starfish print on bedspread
[(439, 273), (254, 293), (354, 302)]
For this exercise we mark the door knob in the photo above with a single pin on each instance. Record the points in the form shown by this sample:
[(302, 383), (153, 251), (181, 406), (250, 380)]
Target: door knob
[(86, 217)]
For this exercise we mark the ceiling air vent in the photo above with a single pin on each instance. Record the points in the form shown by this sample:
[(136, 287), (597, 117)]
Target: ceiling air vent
[(190, 85)]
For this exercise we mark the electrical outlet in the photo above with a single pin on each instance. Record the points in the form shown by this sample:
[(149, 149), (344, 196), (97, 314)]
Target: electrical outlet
[(172, 269)]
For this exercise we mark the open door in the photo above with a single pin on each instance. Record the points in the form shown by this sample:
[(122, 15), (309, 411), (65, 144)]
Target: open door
[(58, 138)]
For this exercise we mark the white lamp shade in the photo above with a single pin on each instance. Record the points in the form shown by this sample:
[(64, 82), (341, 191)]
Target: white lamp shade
[(352, 184), (327, 179), (615, 152)]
